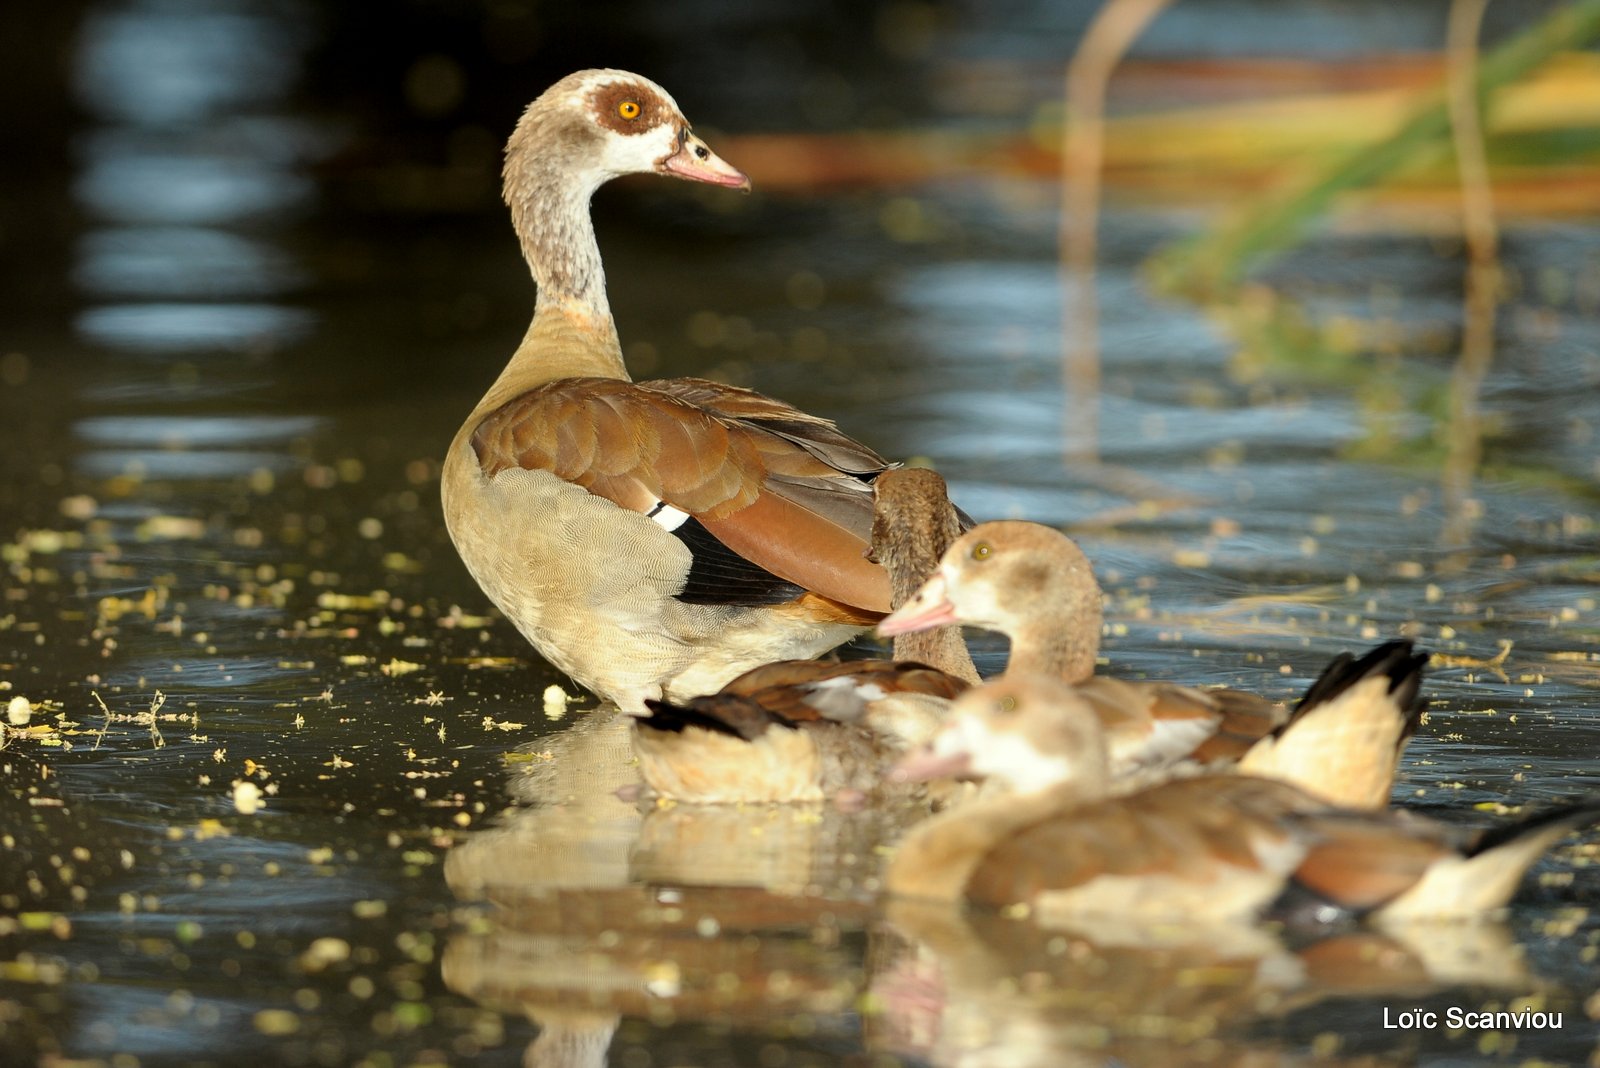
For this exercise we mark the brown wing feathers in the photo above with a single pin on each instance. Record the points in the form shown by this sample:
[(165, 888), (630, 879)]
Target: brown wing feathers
[(1246, 719), (815, 435), (785, 491), (1359, 865), (790, 692), (737, 717)]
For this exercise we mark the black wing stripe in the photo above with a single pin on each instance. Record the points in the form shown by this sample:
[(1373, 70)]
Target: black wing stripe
[(718, 575)]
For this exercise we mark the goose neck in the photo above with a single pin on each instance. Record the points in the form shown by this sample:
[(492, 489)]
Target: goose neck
[(1062, 652)]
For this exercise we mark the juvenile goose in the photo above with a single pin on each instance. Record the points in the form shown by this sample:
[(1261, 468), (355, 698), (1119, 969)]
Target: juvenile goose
[(1034, 585), (803, 730), (657, 538), (1209, 848)]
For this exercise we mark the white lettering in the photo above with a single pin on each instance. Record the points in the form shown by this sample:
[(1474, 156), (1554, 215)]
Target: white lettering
[(1410, 1019), (1484, 1021)]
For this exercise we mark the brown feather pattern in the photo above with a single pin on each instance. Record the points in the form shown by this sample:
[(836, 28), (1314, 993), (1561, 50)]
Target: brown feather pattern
[(785, 693), (1185, 828), (780, 488), (1360, 865), (1246, 719)]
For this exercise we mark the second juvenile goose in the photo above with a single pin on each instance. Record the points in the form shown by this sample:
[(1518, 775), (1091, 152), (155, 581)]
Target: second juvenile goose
[(1034, 585), (650, 539), (1065, 846)]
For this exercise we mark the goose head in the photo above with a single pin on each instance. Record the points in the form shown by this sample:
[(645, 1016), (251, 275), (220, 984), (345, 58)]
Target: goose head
[(1025, 733), (596, 125), (585, 130), (1010, 577)]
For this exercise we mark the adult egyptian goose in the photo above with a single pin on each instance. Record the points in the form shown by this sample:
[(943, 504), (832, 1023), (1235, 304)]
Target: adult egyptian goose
[(1034, 585), (650, 539), (1059, 844), (804, 730)]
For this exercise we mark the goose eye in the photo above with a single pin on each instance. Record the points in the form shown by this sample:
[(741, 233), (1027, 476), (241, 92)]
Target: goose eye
[(981, 551), (628, 109)]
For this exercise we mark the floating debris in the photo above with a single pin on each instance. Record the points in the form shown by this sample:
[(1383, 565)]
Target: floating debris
[(555, 702), (247, 798)]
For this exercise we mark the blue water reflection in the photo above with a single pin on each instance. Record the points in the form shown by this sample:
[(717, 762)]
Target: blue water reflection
[(190, 328), (194, 431), (181, 466), (181, 261), (187, 146), (162, 63), (151, 183)]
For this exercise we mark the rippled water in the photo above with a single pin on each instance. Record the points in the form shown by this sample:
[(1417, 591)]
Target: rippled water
[(225, 565)]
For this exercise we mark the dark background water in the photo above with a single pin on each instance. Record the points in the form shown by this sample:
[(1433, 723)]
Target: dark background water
[(253, 271)]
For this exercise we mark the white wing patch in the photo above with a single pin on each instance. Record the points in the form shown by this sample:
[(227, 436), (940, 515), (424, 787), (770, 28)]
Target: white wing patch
[(1167, 742), (843, 698), (668, 517)]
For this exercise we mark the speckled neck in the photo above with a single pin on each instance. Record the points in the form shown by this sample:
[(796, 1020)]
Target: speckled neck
[(548, 190), (908, 539), (941, 647), (549, 204)]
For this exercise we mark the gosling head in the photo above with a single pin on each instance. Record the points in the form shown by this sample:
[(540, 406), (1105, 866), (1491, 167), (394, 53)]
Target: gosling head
[(1025, 733), (1005, 576)]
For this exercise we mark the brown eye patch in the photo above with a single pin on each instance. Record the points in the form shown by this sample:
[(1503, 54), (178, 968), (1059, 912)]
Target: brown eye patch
[(629, 108)]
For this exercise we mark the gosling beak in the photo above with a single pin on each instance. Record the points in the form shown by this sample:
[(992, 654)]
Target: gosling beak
[(925, 765), (696, 162), (927, 608)]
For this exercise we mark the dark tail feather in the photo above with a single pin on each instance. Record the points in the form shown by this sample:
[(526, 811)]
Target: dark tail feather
[(1397, 659), (1569, 816), (736, 717)]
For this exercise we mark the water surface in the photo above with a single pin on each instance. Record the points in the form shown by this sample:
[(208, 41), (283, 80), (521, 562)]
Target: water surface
[(225, 565)]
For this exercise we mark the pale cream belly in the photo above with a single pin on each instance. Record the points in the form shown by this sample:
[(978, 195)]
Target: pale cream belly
[(592, 586)]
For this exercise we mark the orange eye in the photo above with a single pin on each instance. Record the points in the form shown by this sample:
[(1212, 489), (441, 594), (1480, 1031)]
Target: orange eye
[(628, 109)]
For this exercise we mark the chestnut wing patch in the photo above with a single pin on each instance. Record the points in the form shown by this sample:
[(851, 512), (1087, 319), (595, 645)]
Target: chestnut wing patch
[(784, 492), (1358, 865)]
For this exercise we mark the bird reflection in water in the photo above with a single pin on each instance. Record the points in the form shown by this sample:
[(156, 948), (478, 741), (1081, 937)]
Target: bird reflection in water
[(767, 919)]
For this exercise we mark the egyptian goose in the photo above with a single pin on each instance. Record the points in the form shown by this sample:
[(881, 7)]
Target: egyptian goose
[(1060, 845), (650, 539), (806, 730), (1034, 585)]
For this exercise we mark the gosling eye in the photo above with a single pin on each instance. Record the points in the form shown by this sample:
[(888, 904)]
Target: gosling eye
[(982, 551), (628, 109)]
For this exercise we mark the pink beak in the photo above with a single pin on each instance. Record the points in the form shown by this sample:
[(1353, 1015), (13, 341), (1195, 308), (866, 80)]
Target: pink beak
[(924, 765), (696, 162), (929, 607)]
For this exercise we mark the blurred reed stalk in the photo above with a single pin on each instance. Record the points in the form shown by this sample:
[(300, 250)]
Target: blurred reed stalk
[(1114, 29), (1212, 265), (1464, 429)]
